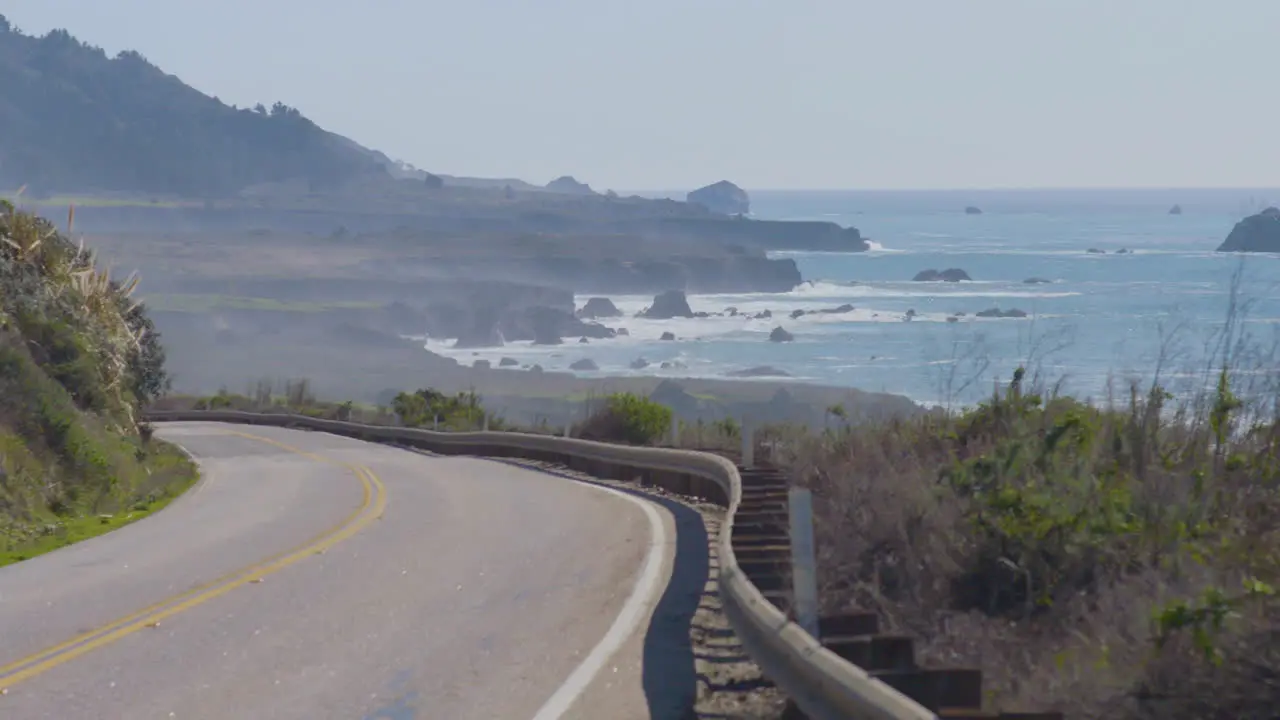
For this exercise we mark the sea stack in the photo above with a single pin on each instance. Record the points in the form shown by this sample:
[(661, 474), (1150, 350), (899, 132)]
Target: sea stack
[(722, 197)]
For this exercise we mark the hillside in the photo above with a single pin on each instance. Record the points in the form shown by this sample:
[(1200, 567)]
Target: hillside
[(76, 120), (77, 359)]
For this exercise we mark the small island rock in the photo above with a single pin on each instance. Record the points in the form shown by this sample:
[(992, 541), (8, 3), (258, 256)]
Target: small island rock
[(780, 335), (667, 305), (948, 275), (722, 197), (758, 371), (567, 184), (584, 364), (599, 307), (972, 210), (1256, 233)]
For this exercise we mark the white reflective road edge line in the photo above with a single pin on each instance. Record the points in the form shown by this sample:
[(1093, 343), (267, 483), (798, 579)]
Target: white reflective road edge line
[(633, 613)]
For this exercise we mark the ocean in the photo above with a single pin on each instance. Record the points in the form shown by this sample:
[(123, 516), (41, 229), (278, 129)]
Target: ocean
[(1100, 320)]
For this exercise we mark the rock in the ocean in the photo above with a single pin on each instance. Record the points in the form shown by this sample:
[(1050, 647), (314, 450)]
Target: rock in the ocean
[(566, 184), (639, 364), (668, 336), (599, 307), (998, 313), (722, 197), (482, 335), (584, 364), (508, 362), (481, 365), (1096, 251), (1036, 281), (667, 305), (973, 210), (583, 341), (1256, 233), (1175, 210), (780, 335), (948, 275), (759, 371)]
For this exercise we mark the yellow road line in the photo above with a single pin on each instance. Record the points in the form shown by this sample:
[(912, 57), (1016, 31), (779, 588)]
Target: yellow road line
[(373, 504)]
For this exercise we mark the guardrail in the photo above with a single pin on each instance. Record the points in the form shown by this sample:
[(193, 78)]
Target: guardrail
[(820, 683)]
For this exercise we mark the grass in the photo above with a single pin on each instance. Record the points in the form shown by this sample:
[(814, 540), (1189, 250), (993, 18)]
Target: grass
[(1116, 559), (195, 303), (171, 474)]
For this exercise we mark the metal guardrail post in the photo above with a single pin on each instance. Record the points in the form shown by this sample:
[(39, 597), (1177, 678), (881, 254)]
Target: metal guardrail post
[(435, 423), (484, 424), (675, 432), (804, 564), (748, 444)]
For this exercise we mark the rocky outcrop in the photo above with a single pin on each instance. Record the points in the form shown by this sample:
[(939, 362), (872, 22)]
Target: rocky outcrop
[(948, 275), (482, 331), (508, 362), (585, 364), (667, 305), (723, 197), (780, 335), (1096, 251), (822, 311), (568, 185), (599, 307), (668, 336), (1036, 281), (639, 364), (1256, 233), (548, 326), (758, 371), (972, 210), (1175, 210), (998, 313)]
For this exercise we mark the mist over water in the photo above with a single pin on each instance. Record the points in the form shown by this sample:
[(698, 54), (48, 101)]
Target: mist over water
[(1099, 317)]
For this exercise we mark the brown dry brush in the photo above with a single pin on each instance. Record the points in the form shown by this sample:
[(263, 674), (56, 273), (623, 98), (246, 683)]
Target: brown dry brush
[(1116, 561)]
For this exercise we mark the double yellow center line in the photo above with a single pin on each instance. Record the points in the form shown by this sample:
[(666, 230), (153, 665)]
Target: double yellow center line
[(371, 508)]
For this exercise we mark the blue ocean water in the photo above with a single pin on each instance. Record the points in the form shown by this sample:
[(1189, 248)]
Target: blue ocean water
[(1101, 318)]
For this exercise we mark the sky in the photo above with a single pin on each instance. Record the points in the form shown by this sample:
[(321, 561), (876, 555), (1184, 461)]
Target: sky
[(801, 94)]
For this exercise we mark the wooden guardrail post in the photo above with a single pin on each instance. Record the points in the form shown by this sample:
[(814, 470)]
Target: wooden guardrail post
[(748, 444), (804, 563)]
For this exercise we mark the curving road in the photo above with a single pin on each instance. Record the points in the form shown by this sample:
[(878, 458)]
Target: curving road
[(315, 576)]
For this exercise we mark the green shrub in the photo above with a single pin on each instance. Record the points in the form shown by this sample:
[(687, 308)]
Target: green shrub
[(628, 418)]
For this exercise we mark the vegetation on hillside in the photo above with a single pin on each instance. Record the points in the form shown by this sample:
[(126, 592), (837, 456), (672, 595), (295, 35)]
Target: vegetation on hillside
[(77, 120), (1115, 561), (78, 357)]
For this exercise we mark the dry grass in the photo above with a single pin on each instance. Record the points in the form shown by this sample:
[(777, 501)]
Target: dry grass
[(1114, 561)]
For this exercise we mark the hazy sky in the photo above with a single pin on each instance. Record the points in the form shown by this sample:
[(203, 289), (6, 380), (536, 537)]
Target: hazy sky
[(666, 94)]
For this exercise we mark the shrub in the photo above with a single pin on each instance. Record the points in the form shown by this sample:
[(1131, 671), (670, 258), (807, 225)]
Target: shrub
[(628, 418)]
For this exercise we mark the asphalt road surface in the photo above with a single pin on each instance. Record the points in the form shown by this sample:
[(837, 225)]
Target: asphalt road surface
[(315, 576)]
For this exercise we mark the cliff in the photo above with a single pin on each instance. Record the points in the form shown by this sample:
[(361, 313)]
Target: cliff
[(1256, 233)]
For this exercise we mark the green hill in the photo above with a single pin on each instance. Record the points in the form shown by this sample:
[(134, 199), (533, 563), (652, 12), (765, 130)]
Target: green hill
[(76, 120), (78, 358)]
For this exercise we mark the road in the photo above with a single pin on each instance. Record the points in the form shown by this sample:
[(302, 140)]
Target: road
[(397, 586)]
